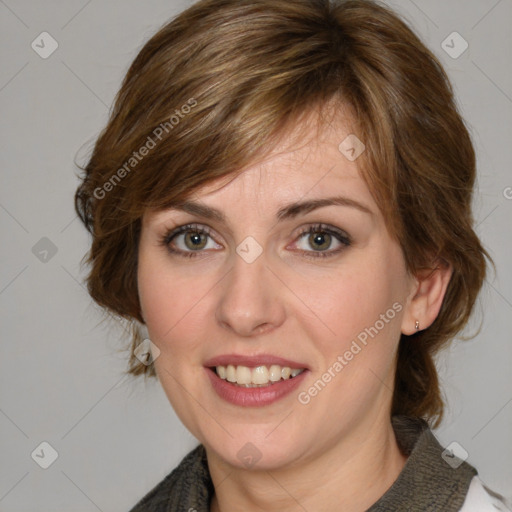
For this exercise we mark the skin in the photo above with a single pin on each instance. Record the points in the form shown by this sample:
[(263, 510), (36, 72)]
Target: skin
[(338, 451)]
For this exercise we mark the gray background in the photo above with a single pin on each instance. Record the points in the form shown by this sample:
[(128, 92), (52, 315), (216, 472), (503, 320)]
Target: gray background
[(61, 378)]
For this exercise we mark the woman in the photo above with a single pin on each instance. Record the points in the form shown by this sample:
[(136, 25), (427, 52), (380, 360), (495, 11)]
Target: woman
[(281, 204)]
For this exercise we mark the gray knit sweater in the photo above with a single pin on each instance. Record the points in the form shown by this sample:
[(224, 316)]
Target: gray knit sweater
[(426, 483)]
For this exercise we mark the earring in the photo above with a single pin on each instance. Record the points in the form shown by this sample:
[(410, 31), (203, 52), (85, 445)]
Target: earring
[(417, 325)]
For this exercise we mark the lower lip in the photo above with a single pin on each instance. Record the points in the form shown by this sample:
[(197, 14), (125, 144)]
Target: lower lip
[(254, 397)]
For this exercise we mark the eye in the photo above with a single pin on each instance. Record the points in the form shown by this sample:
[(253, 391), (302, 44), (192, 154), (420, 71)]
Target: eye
[(189, 240), (320, 237), (193, 241)]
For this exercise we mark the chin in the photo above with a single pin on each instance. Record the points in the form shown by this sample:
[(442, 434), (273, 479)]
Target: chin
[(253, 451)]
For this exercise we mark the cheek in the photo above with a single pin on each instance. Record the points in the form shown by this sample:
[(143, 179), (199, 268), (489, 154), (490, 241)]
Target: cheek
[(348, 302), (158, 297), (356, 339), (173, 305), (361, 313)]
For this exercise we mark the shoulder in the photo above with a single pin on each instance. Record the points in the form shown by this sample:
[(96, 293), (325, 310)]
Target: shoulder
[(481, 499)]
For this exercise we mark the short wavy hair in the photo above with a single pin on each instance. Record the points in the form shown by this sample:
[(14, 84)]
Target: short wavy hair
[(214, 89)]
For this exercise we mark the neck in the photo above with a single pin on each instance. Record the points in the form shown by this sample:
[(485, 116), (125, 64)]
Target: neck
[(351, 475)]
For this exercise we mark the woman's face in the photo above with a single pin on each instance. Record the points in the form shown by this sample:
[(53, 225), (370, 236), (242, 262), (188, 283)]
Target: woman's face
[(259, 295)]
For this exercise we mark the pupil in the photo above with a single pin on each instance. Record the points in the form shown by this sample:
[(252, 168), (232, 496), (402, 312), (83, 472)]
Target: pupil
[(320, 239), (195, 239)]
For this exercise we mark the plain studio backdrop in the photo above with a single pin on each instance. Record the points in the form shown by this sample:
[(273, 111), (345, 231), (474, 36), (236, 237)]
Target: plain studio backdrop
[(107, 439)]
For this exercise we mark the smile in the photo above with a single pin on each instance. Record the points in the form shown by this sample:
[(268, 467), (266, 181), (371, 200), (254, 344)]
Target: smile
[(259, 376), (255, 395)]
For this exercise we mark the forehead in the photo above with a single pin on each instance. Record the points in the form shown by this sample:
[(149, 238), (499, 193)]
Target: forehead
[(308, 159), (308, 163)]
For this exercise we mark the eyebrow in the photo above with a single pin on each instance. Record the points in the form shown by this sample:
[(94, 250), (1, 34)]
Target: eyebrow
[(289, 211)]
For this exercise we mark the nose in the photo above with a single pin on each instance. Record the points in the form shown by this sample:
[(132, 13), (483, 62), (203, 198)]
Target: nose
[(251, 298)]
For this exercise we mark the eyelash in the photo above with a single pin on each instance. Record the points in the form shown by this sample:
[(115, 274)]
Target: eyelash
[(341, 236)]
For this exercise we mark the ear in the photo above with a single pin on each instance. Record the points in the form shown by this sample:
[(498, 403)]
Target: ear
[(426, 297)]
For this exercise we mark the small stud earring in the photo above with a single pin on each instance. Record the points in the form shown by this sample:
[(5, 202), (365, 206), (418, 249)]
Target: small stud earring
[(417, 325)]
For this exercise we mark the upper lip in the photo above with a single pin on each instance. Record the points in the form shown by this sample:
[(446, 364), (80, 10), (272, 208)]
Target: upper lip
[(252, 361)]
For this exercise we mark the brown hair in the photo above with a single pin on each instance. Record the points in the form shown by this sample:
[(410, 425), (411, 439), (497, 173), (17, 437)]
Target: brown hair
[(215, 88)]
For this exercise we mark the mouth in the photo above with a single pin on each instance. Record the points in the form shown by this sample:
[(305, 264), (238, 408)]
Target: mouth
[(254, 380), (258, 376)]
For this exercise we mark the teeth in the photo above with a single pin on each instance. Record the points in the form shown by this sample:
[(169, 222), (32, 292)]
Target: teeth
[(274, 373), (258, 376), (221, 372), (230, 373), (243, 375)]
